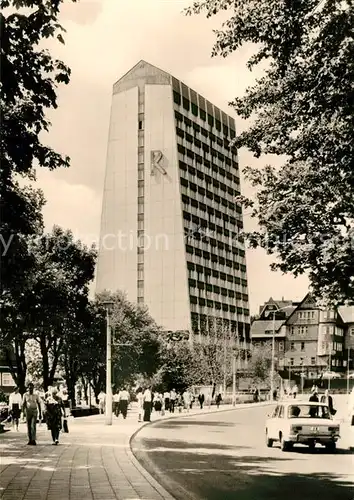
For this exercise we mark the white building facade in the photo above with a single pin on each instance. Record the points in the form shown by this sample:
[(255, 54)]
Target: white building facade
[(170, 224)]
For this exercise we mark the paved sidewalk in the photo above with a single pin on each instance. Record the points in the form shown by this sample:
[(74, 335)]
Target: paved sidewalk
[(92, 462)]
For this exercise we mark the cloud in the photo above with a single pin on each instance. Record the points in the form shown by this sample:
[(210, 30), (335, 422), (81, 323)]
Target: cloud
[(71, 206)]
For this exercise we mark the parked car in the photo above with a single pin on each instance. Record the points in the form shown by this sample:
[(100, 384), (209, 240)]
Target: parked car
[(330, 375), (303, 422)]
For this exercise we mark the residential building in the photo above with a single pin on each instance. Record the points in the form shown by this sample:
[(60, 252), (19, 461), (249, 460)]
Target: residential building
[(170, 222), (347, 315), (272, 316), (307, 339)]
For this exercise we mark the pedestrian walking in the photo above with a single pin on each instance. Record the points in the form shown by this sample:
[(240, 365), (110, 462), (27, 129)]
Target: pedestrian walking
[(102, 402), (147, 404), (55, 411), (201, 399), (328, 400), (179, 402), (116, 403), (15, 405), (158, 403), (187, 398), (32, 407), (218, 400), (173, 396), (295, 391), (166, 398), (140, 398), (192, 401), (124, 398)]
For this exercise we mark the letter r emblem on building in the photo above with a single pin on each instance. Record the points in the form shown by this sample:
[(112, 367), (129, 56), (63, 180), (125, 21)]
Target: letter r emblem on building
[(156, 162)]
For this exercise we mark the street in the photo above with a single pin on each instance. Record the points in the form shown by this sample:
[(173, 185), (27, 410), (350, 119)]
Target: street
[(224, 456)]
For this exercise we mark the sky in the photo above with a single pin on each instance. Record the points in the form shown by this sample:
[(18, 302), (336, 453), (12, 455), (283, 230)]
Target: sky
[(103, 40)]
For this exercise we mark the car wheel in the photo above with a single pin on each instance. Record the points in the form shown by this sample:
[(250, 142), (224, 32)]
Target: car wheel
[(331, 447), (285, 445), (269, 441)]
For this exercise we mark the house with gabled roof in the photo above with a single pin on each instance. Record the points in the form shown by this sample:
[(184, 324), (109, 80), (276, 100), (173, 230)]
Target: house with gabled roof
[(308, 339)]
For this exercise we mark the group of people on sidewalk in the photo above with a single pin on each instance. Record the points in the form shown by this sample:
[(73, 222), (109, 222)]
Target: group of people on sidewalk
[(50, 409), (168, 401)]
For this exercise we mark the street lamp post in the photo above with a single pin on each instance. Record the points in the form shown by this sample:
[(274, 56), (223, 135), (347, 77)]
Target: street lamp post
[(273, 361), (108, 305), (348, 372), (273, 351), (234, 377)]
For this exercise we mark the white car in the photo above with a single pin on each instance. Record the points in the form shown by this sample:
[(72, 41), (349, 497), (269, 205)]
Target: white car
[(330, 375), (302, 422)]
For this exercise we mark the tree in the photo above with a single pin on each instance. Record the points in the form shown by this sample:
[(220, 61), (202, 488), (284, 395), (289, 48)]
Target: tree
[(59, 283), (29, 79), (181, 365), (135, 342), (260, 363), (302, 111)]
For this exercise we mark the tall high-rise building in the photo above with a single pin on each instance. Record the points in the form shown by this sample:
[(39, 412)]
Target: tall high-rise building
[(170, 223)]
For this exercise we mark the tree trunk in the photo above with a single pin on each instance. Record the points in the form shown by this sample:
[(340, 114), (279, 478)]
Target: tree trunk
[(71, 379), (45, 360), (20, 371), (85, 387)]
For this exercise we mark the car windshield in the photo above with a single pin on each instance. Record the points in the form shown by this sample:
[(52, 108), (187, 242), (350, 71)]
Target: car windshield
[(308, 411)]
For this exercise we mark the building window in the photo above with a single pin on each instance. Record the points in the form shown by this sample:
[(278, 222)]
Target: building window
[(313, 361), (352, 331), (301, 361), (292, 361), (140, 272), (302, 346), (292, 346), (176, 98), (281, 346), (140, 190), (292, 331), (140, 124), (141, 140), (186, 104)]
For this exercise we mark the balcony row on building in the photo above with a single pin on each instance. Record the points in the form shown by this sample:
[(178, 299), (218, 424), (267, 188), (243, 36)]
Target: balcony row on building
[(307, 338)]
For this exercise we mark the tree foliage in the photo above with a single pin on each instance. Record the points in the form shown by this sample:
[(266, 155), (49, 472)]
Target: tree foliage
[(301, 109), (180, 365), (52, 303), (259, 365), (135, 340), (29, 80)]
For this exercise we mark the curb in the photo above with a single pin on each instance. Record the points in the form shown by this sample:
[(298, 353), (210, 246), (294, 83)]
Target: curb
[(147, 476)]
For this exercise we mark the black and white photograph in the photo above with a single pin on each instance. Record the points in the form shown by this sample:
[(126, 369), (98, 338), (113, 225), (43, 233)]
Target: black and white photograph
[(177, 249)]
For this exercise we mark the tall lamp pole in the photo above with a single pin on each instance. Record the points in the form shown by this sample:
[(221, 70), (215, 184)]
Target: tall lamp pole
[(273, 360), (108, 305), (234, 378), (273, 352), (348, 372)]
